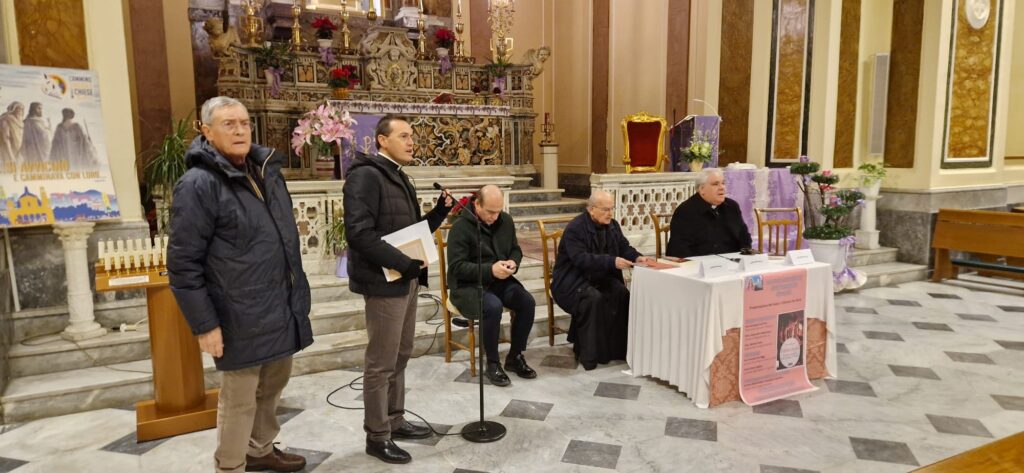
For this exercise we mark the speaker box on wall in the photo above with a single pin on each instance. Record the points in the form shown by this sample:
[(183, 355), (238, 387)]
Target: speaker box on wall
[(879, 99)]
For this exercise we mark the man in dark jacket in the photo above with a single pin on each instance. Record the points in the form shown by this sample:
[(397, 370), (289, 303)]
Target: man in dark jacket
[(499, 259), (380, 199), (234, 266), (587, 282), (708, 222)]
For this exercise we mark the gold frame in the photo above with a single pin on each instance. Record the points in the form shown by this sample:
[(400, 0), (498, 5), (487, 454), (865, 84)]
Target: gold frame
[(644, 117)]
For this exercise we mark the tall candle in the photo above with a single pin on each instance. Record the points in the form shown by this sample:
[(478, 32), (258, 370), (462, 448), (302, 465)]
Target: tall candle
[(547, 117), (421, 6), (459, 6)]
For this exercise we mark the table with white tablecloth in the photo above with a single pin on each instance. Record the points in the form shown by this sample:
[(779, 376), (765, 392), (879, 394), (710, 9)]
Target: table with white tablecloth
[(679, 323)]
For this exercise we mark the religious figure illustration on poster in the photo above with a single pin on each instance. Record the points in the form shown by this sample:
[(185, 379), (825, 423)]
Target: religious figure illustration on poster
[(53, 157)]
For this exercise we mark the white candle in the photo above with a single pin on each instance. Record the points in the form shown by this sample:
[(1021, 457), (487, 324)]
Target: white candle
[(459, 7), (421, 6), (104, 256)]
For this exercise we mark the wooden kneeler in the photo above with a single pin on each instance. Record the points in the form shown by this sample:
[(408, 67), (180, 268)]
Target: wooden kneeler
[(181, 403)]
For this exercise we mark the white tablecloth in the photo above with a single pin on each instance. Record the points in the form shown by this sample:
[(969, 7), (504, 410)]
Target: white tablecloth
[(676, 321)]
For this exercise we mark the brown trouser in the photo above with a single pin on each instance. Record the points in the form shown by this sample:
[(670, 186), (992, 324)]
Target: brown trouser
[(247, 412), (390, 326)]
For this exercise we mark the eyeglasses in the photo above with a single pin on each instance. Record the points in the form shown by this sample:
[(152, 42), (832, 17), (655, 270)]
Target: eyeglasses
[(603, 209), (233, 125)]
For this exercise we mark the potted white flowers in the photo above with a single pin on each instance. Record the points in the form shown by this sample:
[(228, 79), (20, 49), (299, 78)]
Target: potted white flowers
[(699, 151), (871, 176)]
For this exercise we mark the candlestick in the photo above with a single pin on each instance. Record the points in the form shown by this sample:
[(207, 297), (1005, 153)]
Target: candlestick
[(459, 8)]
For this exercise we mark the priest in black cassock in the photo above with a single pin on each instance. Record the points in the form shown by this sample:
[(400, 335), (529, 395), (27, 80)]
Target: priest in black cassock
[(708, 222), (587, 282)]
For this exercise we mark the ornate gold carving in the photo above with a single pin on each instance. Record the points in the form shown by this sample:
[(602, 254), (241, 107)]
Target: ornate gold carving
[(51, 33), (390, 61), (971, 99)]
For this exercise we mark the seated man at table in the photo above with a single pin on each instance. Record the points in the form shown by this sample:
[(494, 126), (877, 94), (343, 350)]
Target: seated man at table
[(708, 222), (587, 282)]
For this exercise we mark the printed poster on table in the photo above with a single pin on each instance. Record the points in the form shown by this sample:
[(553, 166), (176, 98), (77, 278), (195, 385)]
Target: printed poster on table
[(53, 157), (772, 342)]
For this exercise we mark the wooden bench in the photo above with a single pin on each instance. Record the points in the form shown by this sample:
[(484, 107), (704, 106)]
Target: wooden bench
[(1006, 455), (986, 234)]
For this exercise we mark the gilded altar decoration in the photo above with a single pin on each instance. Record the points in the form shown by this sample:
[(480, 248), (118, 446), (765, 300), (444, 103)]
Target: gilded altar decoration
[(220, 40), (253, 23), (391, 63)]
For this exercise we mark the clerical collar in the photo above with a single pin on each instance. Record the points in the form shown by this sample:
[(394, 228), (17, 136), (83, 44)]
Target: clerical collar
[(389, 159), (713, 207)]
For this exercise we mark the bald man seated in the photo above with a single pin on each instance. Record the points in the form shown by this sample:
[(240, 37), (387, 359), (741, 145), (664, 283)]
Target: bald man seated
[(587, 282), (708, 222), (497, 263)]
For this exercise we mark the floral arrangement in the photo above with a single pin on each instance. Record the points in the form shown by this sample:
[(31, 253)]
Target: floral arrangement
[(829, 217), (325, 28), (321, 128), (273, 58), (444, 37), (343, 77), (700, 148)]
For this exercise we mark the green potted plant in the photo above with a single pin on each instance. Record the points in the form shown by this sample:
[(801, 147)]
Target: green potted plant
[(871, 177), (699, 151), (828, 229), (273, 59), (334, 238), (165, 164)]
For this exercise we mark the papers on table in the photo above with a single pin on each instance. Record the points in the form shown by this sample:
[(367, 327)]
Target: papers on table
[(415, 241)]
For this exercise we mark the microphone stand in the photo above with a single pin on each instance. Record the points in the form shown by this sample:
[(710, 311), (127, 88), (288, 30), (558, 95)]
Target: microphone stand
[(482, 431)]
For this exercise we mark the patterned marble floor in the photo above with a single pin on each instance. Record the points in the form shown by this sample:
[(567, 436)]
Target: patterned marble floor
[(926, 371)]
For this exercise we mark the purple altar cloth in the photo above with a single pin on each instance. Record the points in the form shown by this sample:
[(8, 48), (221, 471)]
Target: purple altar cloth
[(762, 188)]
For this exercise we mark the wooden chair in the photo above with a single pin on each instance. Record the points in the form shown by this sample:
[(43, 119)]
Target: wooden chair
[(643, 142), (661, 232), (777, 241), (448, 308), (549, 239), (987, 235)]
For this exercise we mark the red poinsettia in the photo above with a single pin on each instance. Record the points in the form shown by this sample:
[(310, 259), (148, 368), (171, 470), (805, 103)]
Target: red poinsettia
[(325, 28), (463, 203), (445, 38), (343, 77)]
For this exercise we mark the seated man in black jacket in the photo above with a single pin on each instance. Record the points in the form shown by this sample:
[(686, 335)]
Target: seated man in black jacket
[(587, 282), (708, 222), (498, 262)]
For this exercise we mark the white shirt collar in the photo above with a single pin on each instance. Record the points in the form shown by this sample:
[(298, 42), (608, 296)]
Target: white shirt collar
[(389, 159)]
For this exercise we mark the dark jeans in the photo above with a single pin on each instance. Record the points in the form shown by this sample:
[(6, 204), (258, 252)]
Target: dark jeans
[(507, 293)]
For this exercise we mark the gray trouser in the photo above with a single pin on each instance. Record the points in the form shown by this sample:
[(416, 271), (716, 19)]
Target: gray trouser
[(247, 412), (390, 326)]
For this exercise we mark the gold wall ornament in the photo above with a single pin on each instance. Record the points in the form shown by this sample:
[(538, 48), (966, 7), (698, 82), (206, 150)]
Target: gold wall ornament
[(220, 40), (391, 59), (346, 33), (500, 17), (253, 23), (421, 24), (296, 28)]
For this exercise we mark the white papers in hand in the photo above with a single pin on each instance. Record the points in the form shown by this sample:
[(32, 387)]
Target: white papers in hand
[(415, 241)]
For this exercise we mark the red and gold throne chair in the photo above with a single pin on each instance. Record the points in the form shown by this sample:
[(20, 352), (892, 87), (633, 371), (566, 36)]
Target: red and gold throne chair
[(644, 142)]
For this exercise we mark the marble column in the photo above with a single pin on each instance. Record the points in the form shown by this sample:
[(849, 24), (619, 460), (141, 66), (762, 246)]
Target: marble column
[(867, 235), (74, 237), (549, 152)]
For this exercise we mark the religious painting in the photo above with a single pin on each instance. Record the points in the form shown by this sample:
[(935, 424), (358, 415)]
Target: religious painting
[(53, 156)]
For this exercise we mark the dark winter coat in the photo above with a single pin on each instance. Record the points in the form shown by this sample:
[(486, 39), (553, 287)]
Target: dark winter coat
[(698, 230), (498, 243), (578, 264), (233, 257), (380, 199)]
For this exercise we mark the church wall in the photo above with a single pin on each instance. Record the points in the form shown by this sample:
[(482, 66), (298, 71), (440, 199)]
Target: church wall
[(181, 73), (760, 78), (638, 48), (737, 27), (533, 28), (820, 125), (704, 57), (1015, 107), (849, 78), (570, 74), (874, 38)]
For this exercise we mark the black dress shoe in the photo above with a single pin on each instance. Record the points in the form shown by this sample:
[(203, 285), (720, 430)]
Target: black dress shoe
[(496, 375), (409, 431), (517, 364), (387, 451)]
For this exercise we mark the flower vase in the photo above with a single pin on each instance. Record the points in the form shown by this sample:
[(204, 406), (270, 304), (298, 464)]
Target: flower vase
[(325, 42), (341, 270), (696, 166), (442, 52), (870, 188), (340, 93), (828, 251)]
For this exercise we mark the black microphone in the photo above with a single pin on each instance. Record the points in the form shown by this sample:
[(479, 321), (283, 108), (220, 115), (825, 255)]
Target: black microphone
[(457, 204), (734, 260)]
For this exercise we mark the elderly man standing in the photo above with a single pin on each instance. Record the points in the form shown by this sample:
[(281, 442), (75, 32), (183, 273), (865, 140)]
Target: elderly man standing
[(587, 282), (708, 222), (499, 258), (236, 272), (380, 199)]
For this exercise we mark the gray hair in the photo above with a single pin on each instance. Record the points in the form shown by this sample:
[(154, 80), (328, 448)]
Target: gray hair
[(215, 104), (592, 200), (705, 175)]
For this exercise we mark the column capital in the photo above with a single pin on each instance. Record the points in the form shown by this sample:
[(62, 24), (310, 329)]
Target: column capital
[(73, 234)]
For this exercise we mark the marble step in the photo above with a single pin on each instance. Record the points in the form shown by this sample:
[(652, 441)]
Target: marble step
[(535, 194), (32, 323), (521, 182), (861, 257), (886, 274), (53, 354), (530, 210), (52, 394), (529, 224)]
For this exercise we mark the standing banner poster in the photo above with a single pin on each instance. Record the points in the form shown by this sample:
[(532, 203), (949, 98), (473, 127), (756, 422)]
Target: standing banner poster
[(772, 342), (53, 156)]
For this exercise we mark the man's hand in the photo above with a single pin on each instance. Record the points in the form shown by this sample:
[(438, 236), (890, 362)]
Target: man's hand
[(212, 342), (447, 197), (511, 265), (622, 263), (644, 260), (500, 271)]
